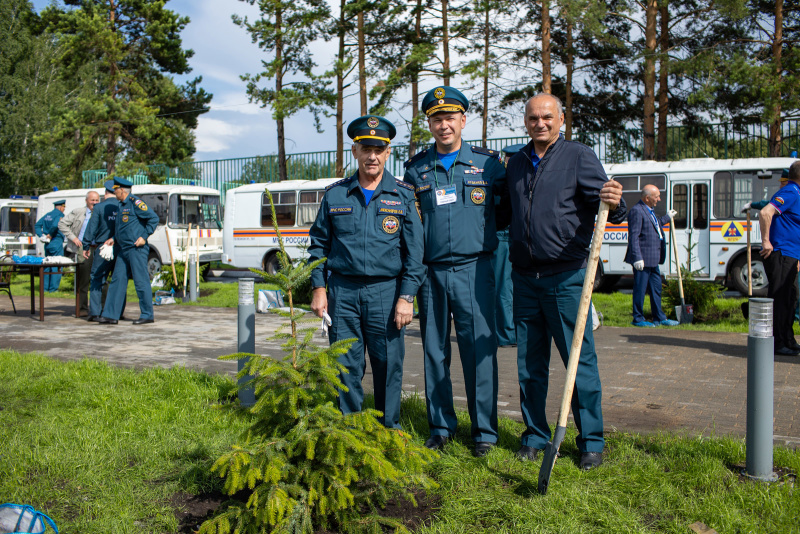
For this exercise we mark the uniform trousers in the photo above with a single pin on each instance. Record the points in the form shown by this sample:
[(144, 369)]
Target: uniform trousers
[(545, 310), (98, 285), (504, 317), (647, 281), (782, 275), (52, 281), (365, 311), (130, 263), (466, 291)]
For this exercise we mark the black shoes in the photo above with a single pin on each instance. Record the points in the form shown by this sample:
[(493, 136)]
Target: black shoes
[(528, 453), (482, 448), (93, 319), (590, 460), (786, 351), (143, 321), (106, 320), (435, 443)]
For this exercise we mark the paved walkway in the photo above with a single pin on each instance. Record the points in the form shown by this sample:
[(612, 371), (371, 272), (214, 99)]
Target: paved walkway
[(652, 379)]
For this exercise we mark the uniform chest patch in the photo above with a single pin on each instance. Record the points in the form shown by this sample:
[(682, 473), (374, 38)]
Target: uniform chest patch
[(473, 170), (124, 217), (391, 211), (422, 188), (476, 183), (340, 210), (391, 202), (478, 195), (390, 224)]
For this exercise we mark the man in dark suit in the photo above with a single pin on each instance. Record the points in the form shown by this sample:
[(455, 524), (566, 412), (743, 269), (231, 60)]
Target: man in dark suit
[(647, 249)]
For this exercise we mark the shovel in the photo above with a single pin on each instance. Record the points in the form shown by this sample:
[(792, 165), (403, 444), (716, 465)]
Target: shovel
[(684, 312), (551, 450), (746, 304)]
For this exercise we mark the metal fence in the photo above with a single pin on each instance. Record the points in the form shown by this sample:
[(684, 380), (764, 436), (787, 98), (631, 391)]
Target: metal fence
[(722, 141)]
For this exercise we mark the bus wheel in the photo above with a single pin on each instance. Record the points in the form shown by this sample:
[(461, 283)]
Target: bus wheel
[(739, 275), (271, 263), (153, 265)]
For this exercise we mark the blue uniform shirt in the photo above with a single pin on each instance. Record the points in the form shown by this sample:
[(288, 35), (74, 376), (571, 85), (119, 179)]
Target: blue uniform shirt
[(784, 232), (381, 240), (49, 225), (134, 220), (101, 224), (458, 232)]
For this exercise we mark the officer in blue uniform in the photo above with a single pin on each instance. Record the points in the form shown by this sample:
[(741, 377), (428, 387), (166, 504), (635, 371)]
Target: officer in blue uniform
[(98, 231), (456, 185), (504, 315), (48, 225), (369, 229), (134, 223)]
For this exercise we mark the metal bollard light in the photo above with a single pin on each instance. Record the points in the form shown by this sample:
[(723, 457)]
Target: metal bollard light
[(246, 335), (760, 384), (192, 279)]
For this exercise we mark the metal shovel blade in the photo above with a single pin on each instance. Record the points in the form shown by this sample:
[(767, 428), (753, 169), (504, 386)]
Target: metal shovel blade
[(684, 313), (549, 458)]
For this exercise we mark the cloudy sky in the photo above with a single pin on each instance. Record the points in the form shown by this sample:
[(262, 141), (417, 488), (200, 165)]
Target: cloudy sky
[(234, 128)]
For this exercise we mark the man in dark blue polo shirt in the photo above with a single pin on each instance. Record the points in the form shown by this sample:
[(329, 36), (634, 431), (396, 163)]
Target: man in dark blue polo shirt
[(780, 248)]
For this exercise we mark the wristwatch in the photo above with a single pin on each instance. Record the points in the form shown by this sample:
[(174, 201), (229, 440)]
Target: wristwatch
[(407, 298)]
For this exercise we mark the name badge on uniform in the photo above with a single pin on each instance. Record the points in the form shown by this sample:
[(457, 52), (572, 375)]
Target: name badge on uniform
[(446, 195)]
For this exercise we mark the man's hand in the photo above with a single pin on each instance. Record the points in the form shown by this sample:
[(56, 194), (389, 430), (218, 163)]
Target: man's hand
[(109, 242), (746, 207), (638, 265), (319, 301), (672, 213), (86, 254), (611, 193), (766, 249), (139, 242), (403, 313), (77, 242)]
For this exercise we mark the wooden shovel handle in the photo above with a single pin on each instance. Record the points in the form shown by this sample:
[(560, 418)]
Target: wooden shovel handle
[(186, 260), (171, 259), (583, 312), (675, 249)]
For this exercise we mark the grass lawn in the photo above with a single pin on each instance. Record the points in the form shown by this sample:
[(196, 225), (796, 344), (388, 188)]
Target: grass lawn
[(105, 450)]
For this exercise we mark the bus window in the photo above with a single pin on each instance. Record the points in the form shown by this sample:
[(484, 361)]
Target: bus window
[(285, 208), (680, 194), (309, 206), (201, 211), (14, 220), (700, 206), (632, 189), (158, 204), (733, 190)]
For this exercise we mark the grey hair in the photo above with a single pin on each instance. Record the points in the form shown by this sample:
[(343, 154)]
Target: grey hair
[(559, 104), (89, 193), (644, 190)]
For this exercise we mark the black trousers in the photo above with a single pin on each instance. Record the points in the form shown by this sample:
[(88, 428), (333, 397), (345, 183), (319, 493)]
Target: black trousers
[(782, 275)]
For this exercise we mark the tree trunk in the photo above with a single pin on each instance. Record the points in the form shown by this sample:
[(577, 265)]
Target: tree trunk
[(547, 83), (111, 141), (486, 32), (339, 171), (648, 124), (362, 64), (445, 45), (282, 174), (663, 88), (568, 88), (775, 140), (412, 141)]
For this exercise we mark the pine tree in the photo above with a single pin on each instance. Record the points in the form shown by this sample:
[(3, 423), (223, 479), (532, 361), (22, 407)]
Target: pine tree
[(303, 464)]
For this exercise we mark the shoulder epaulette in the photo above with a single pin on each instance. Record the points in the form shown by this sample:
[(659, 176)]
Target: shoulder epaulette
[(340, 182), (419, 155), (486, 151), (406, 185)]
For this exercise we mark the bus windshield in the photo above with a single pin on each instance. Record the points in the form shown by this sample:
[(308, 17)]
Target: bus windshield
[(201, 211), (16, 220)]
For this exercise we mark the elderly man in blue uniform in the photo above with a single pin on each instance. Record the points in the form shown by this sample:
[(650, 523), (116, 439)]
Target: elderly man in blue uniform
[(133, 224), (369, 229), (556, 187), (98, 232), (779, 223), (456, 186), (47, 230), (504, 314), (647, 249)]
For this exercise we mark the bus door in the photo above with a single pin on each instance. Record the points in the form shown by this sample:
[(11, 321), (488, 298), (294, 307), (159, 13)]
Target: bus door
[(690, 200)]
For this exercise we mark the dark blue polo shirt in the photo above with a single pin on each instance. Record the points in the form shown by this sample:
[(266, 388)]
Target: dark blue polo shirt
[(784, 232)]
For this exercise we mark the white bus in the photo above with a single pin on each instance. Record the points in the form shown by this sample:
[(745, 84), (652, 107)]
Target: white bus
[(17, 217), (708, 195), (177, 206), (249, 240)]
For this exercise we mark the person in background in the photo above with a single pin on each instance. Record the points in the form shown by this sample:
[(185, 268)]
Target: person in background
[(647, 249), (47, 230), (73, 226), (134, 223), (369, 229)]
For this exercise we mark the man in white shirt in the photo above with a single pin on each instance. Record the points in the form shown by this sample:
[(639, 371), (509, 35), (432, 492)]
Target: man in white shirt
[(73, 226)]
